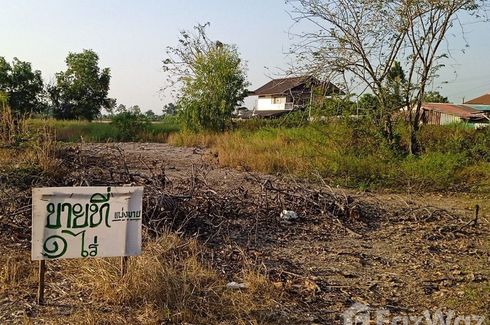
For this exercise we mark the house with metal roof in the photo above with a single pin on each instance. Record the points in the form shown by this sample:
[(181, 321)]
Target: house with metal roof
[(482, 100), (481, 103), (280, 96), (442, 114)]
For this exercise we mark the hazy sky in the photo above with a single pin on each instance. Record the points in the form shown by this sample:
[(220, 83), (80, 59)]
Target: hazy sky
[(131, 36)]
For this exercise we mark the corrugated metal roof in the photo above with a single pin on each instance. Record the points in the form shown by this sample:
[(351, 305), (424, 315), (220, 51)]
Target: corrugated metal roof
[(462, 111), (481, 108), (482, 100)]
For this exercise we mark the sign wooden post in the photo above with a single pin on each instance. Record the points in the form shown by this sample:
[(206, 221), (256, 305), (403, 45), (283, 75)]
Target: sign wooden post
[(40, 289), (84, 222), (124, 265)]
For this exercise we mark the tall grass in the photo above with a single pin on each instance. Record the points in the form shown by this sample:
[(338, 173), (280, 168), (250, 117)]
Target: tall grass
[(351, 153), (75, 131), (11, 128), (22, 148), (345, 152)]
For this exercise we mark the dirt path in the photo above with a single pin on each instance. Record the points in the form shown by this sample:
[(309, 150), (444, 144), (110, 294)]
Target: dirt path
[(402, 253)]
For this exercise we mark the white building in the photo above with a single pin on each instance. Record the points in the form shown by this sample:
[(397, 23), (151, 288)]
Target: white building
[(283, 95)]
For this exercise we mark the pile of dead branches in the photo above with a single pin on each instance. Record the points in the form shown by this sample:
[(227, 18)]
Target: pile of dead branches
[(250, 216)]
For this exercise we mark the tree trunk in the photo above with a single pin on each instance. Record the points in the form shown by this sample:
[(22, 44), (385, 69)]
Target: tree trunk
[(414, 145), (388, 129), (414, 148)]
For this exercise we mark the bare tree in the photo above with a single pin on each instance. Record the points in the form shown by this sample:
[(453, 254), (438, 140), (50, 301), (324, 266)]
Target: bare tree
[(360, 40)]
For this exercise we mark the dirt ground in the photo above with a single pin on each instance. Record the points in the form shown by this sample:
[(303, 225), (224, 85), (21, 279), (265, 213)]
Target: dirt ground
[(405, 253)]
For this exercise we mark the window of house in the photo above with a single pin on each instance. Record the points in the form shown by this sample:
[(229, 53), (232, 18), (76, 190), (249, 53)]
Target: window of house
[(276, 100)]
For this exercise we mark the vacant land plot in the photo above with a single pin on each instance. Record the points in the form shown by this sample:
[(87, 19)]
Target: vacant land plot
[(206, 226)]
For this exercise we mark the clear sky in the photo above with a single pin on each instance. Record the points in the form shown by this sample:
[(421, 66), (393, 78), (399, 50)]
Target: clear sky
[(131, 36)]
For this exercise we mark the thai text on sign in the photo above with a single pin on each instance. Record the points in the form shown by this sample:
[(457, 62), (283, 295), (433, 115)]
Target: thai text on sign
[(81, 222)]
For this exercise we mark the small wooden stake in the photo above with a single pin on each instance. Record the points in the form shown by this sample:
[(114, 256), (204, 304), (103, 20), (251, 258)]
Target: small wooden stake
[(124, 265), (477, 210), (40, 289)]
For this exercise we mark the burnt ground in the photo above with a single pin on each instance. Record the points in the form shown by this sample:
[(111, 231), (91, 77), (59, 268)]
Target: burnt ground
[(404, 253)]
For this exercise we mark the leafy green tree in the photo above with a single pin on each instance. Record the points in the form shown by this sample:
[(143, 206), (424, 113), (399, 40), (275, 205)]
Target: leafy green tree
[(435, 97), (213, 80), (395, 86), (111, 107), (368, 103), (130, 122), (23, 86), (170, 109), (150, 115), (121, 108), (81, 91)]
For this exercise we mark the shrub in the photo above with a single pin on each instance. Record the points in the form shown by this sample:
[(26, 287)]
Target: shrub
[(129, 124), (434, 170)]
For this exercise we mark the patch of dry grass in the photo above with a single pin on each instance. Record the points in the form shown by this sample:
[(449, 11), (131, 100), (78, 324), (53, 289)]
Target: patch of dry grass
[(20, 148), (15, 270), (11, 128), (45, 148), (173, 281), (190, 139)]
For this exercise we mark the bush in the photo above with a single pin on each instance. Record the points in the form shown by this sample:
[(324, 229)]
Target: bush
[(293, 119), (457, 138), (129, 124)]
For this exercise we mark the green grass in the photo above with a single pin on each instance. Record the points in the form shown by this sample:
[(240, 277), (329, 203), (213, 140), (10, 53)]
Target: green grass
[(75, 131), (352, 154)]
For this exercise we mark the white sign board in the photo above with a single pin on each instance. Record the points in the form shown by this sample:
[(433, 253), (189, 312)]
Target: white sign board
[(79, 222)]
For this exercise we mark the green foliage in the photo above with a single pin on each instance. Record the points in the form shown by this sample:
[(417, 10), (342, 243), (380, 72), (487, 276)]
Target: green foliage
[(434, 170), (395, 85), (150, 115), (213, 80), (170, 109), (292, 119), (457, 139), (22, 87), (129, 123), (77, 130), (434, 97), (369, 106), (335, 106), (81, 91)]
